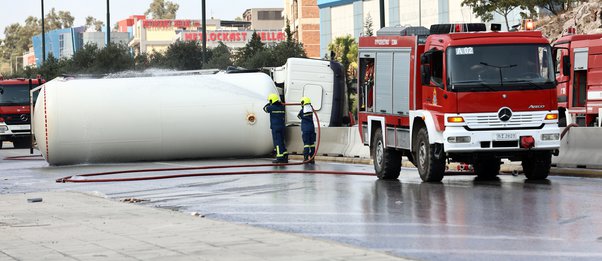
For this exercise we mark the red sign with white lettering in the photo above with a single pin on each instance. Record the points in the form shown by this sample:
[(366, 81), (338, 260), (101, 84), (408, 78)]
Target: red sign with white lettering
[(170, 23), (234, 36)]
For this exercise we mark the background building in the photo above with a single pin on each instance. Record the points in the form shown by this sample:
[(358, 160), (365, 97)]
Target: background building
[(304, 20), (61, 43), (264, 18), (347, 17)]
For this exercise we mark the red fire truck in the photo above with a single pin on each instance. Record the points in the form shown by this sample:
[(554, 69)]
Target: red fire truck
[(15, 111), (457, 93), (579, 59)]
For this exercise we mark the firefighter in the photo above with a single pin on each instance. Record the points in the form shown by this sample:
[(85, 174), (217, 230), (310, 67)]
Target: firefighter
[(308, 133), (276, 110)]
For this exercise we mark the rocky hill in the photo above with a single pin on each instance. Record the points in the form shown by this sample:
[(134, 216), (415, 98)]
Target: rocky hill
[(586, 18)]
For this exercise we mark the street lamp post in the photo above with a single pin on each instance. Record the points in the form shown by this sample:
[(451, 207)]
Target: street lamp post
[(108, 25), (43, 35), (204, 33)]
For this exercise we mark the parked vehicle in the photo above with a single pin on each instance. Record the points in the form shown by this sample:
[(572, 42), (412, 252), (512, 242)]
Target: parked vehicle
[(15, 117), (457, 93), (579, 76)]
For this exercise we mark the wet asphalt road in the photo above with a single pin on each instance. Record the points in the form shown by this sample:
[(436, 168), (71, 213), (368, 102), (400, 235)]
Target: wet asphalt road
[(460, 219)]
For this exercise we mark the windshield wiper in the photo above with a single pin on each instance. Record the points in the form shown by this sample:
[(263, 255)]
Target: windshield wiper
[(480, 82), (531, 83), (499, 67)]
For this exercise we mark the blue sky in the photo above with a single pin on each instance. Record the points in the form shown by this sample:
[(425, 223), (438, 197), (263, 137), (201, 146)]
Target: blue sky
[(15, 11)]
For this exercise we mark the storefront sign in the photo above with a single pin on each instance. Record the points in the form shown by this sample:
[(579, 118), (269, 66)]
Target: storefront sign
[(234, 36), (170, 23)]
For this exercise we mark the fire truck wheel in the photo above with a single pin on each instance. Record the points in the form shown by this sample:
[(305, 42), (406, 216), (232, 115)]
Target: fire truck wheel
[(431, 166), (487, 168), (387, 162), (21, 143), (537, 166)]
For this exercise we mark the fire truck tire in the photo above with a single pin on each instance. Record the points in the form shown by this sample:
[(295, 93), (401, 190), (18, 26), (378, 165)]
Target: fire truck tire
[(431, 167), (487, 168), (21, 143), (537, 166), (387, 162)]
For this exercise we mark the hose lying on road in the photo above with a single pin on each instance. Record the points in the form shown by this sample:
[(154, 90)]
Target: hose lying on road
[(80, 179), (28, 157)]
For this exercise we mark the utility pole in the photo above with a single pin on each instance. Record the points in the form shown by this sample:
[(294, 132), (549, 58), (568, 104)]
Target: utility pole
[(204, 24), (43, 36), (419, 12), (382, 13), (108, 25)]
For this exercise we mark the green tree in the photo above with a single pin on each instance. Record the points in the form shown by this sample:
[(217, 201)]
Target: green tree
[(287, 49), (60, 20), (52, 68), (113, 58), (345, 51), (368, 31), (486, 8), (161, 9), (246, 53), (83, 60), (219, 57), (92, 22), (184, 55)]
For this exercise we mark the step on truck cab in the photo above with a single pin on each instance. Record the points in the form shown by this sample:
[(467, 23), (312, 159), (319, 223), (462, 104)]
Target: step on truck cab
[(457, 93), (15, 116)]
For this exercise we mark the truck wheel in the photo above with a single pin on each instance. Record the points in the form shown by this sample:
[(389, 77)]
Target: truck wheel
[(487, 168), (431, 167), (21, 143), (537, 166), (387, 162)]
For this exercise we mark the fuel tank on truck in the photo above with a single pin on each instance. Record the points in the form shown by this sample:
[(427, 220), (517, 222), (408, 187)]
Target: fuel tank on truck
[(153, 118)]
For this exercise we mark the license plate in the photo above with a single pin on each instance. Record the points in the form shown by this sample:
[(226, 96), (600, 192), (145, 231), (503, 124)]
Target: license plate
[(505, 136)]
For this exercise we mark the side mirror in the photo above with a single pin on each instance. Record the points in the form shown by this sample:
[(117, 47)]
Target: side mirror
[(566, 65), (425, 74)]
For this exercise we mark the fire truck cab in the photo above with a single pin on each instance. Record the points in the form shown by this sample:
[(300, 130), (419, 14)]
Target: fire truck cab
[(579, 76), (15, 117), (457, 93)]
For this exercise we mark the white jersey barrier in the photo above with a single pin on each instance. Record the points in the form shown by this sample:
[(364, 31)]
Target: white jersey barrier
[(153, 118), (581, 147), (334, 141)]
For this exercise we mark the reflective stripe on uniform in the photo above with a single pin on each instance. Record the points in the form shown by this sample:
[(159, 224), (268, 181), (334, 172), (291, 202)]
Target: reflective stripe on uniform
[(278, 154)]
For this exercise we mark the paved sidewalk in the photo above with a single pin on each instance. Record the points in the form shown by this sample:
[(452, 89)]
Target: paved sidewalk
[(76, 226)]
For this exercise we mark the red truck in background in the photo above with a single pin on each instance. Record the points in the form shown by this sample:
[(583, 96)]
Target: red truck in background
[(457, 93), (15, 111), (579, 76)]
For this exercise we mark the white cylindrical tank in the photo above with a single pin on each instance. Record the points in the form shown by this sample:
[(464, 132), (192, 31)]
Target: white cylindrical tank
[(153, 118)]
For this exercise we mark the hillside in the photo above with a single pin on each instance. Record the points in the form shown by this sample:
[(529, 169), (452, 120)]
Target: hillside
[(585, 17)]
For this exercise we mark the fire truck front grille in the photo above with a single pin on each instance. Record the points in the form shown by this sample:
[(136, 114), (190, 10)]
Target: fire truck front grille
[(11, 119), (491, 120)]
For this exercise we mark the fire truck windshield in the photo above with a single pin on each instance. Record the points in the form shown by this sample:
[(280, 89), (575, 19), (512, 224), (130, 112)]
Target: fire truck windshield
[(14, 95), (500, 67)]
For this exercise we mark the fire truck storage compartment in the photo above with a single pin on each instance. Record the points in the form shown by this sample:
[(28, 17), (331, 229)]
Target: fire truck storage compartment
[(391, 81)]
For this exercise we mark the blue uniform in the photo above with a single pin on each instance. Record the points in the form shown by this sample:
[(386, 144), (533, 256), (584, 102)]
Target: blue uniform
[(276, 111), (308, 133)]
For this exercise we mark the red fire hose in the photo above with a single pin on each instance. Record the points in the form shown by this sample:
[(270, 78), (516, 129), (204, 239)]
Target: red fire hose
[(75, 179)]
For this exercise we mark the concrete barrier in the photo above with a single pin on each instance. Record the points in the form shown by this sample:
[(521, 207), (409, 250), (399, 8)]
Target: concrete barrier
[(581, 147), (335, 141)]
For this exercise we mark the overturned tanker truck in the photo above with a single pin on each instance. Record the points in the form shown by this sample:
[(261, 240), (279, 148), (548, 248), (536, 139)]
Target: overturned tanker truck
[(79, 120)]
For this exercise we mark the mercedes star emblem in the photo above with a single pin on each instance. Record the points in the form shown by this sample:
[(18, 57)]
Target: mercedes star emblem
[(504, 114), (24, 117)]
